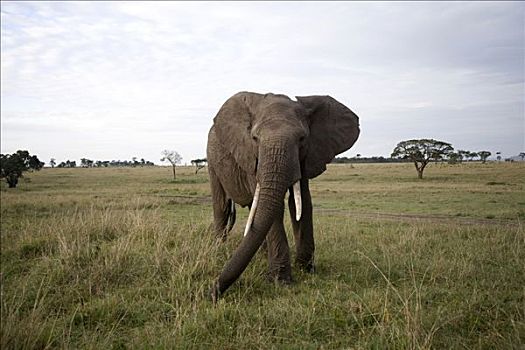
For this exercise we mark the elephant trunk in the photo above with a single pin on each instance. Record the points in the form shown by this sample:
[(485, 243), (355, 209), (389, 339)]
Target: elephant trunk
[(278, 169)]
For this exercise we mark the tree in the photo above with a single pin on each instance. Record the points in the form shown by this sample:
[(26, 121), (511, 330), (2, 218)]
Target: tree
[(67, 164), (454, 158), (86, 163), (35, 163), (173, 157), (483, 155), (52, 162), (12, 166), (199, 164), (421, 152), (471, 155), (463, 154)]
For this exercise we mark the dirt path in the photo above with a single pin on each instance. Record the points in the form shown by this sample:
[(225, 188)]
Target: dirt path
[(443, 219)]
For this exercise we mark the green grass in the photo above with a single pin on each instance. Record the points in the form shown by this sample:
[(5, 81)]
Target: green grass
[(122, 258), (473, 190)]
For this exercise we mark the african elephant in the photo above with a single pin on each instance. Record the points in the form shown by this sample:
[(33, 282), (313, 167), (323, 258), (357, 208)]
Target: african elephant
[(259, 147)]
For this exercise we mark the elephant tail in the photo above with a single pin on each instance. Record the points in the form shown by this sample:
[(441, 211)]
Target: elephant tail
[(231, 215)]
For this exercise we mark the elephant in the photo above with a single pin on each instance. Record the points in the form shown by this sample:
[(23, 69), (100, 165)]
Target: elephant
[(259, 147)]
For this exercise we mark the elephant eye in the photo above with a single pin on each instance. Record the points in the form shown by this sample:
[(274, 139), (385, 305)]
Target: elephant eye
[(255, 138)]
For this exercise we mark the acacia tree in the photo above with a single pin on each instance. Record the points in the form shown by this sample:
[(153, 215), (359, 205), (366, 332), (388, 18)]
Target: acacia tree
[(199, 164), (422, 152), (12, 166), (455, 157), (463, 154), (67, 164), (483, 155), (471, 155), (173, 157)]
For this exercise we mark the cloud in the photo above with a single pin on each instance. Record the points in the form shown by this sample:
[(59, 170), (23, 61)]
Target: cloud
[(123, 79)]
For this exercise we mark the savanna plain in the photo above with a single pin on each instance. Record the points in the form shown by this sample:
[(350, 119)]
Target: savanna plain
[(122, 258)]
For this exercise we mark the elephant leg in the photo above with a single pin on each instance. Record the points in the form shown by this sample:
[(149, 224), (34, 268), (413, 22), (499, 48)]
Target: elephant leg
[(223, 208), (278, 252), (303, 229)]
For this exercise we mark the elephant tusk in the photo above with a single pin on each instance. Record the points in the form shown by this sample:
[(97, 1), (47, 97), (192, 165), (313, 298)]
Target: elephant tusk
[(252, 210), (298, 201)]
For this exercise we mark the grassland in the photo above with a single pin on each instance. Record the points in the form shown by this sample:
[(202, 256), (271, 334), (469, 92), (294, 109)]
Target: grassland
[(121, 258)]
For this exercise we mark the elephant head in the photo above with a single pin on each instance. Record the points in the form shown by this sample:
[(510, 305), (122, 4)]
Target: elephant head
[(276, 142)]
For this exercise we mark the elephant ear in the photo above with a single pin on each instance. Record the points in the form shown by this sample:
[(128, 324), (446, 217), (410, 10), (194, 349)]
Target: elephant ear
[(334, 128), (233, 124)]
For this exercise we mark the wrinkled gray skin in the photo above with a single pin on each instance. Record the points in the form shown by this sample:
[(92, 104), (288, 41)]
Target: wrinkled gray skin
[(274, 141)]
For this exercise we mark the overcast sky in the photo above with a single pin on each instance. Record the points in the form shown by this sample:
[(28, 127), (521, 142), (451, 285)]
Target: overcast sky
[(115, 80)]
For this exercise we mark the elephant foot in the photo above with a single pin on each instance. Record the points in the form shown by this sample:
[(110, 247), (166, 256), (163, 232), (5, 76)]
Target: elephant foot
[(281, 275), (285, 281), (308, 267)]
